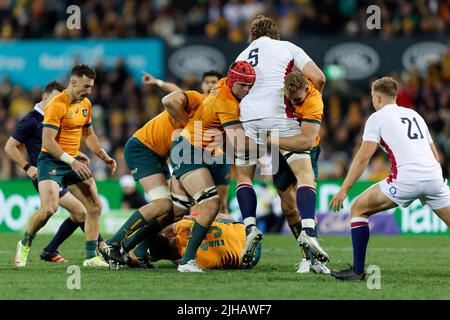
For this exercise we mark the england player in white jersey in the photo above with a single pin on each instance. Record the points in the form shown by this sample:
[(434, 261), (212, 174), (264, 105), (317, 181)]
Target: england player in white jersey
[(266, 109), (415, 170)]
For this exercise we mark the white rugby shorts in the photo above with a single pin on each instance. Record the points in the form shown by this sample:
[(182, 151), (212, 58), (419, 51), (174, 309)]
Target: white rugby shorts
[(434, 193)]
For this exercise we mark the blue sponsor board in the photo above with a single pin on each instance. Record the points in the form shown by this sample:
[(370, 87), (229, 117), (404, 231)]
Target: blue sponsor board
[(33, 63)]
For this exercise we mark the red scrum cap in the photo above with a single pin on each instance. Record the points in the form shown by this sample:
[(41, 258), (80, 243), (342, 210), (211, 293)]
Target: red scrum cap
[(240, 71)]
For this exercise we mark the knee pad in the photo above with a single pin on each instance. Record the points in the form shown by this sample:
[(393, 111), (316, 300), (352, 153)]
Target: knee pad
[(206, 194), (245, 159), (182, 201), (161, 192), (290, 156)]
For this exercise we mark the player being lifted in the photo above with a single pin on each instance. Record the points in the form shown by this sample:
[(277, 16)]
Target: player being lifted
[(209, 80), (264, 109), (415, 170), (29, 133), (191, 156), (66, 119)]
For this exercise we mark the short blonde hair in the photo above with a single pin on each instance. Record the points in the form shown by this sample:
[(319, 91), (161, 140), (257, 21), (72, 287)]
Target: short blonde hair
[(386, 86), (294, 81), (263, 26)]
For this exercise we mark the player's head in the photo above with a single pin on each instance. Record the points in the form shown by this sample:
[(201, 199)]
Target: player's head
[(82, 79), (209, 80), (296, 87), (240, 78), (384, 91), (51, 89), (263, 26)]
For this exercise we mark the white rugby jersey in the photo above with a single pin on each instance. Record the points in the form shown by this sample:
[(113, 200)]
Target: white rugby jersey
[(272, 60), (404, 135)]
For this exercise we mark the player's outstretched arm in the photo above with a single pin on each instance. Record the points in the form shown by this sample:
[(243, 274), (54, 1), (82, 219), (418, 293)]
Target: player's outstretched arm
[(94, 145), (313, 73), (12, 150), (175, 103), (147, 78), (301, 142), (359, 164)]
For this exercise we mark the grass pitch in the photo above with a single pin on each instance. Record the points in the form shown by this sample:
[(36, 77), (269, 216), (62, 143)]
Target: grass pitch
[(412, 267)]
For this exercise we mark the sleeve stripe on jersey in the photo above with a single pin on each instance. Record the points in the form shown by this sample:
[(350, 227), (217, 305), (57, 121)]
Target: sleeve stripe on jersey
[(311, 120), (226, 124), (51, 126), (87, 125)]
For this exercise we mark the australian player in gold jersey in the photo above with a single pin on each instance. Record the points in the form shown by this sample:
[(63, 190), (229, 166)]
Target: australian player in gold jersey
[(67, 118), (307, 106), (221, 248), (192, 155), (146, 154)]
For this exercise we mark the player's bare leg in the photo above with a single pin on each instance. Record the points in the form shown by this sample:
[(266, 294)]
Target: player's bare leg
[(222, 190), (49, 196), (444, 214), (370, 202), (86, 192), (182, 202), (306, 205), (77, 213), (199, 185), (144, 222)]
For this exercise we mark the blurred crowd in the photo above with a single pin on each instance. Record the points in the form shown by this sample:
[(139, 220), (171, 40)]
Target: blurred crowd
[(218, 18), (121, 104)]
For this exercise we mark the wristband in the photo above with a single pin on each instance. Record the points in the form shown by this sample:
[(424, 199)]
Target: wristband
[(159, 82), (65, 157), (26, 167)]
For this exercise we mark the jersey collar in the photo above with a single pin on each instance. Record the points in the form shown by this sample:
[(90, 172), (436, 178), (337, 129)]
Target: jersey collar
[(37, 107)]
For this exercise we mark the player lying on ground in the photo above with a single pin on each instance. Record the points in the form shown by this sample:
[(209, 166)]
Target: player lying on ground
[(209, 80), (264, 109), (28, 133), (200, 142), (306, 106), (67, 118), (415, 170), (221, 248)]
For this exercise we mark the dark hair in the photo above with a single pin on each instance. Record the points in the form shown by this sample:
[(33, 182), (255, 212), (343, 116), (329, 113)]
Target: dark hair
[(54, 85), (211, 73), (80, 70), (263, 26)]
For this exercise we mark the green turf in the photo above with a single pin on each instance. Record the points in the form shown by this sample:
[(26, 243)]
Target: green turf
[(412, 267)]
